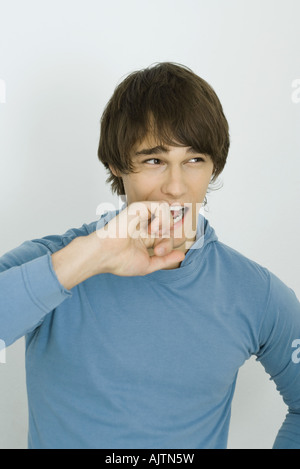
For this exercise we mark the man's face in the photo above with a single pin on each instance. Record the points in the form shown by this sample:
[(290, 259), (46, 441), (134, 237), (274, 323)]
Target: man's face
[(177, 175)]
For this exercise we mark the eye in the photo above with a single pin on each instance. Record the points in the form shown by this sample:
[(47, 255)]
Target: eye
[(157, 162), (152, 159), (200, 160)]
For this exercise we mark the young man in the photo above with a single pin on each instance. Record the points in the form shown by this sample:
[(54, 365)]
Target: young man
[(136, 325)]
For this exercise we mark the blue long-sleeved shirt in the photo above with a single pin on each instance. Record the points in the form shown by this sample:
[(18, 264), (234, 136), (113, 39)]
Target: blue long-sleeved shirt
[(147, 361)]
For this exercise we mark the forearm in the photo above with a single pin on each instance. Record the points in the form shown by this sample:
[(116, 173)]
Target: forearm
[(27, 293), (84, 257), (33, 281)]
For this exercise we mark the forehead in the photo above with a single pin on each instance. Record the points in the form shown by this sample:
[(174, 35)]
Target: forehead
[(150, 141)]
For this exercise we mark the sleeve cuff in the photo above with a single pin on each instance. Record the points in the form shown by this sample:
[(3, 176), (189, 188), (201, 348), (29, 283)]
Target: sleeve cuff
[(42, 283)]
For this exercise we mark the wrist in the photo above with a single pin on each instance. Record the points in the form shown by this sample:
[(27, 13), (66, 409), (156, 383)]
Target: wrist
[(78, 261)]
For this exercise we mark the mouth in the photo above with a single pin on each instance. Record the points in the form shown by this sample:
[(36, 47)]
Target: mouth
[(178, 214)]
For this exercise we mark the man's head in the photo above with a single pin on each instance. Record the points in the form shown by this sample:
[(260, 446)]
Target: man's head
[(172, 105), (164, 137)]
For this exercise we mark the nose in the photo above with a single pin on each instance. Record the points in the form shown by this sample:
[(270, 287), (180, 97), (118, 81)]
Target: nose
[(174, 184)]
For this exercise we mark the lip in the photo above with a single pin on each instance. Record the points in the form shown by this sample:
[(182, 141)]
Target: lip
[(176, 205)]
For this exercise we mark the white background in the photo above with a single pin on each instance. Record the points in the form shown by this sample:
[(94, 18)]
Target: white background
[(61, 61)]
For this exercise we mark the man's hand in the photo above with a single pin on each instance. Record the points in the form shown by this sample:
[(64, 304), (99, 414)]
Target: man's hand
[(135, 242), (142, 229)]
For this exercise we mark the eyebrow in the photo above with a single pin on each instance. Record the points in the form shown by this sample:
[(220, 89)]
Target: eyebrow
[(161, 149)]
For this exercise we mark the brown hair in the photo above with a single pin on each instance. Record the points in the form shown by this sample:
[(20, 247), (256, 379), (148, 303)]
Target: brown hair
[(175, 104)]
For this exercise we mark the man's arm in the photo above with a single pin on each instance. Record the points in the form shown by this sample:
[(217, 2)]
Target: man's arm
[(279, 331), (34, 280), (27, 293), (120, 247), (84, 257)]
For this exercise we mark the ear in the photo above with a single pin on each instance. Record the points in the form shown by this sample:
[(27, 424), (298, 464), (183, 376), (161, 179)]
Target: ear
[(114, 171)]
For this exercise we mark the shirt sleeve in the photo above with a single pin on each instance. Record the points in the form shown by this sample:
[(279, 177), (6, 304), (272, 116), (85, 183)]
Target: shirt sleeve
[(27, 293), (279, 353), (29, 287)]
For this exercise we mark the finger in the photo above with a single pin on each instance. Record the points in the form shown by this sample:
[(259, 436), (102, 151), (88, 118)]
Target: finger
[(149, 220), (162, 222), (138, 216), (163, 246), (159, 263), (152, 223)]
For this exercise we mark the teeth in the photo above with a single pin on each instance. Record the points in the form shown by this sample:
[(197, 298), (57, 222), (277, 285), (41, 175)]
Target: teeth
[(176, 208), (178, 218)]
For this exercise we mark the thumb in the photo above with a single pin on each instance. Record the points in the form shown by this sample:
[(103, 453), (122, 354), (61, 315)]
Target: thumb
[(163, 246), (165, 261)]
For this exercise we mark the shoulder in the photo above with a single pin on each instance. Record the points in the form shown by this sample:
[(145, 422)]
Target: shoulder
[(256, 280), (239, 265)]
